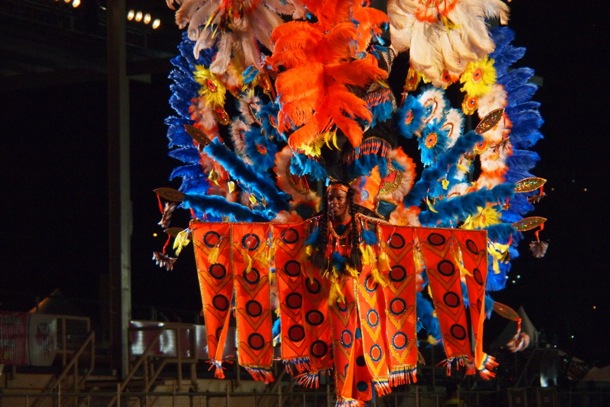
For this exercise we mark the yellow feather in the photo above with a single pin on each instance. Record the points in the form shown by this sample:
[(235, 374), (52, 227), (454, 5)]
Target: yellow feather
[(335, 295), (383, 261), (213, 255), (181, 241), (430, 206)]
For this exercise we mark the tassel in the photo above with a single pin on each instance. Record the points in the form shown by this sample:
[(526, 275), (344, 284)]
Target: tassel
[(297, 366), (519, 342), (166, 213), (447, 363), (538, 248), (260, 375), (310, 380), (485, 371), (218, 369), (164, 261), (382, 387), (349, 402), (406, 375)]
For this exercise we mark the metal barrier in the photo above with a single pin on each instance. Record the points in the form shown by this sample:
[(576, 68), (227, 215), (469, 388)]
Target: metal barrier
[(415, 397)]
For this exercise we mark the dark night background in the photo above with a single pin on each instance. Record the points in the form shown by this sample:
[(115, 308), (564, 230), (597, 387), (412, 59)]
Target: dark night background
[(55, 194)]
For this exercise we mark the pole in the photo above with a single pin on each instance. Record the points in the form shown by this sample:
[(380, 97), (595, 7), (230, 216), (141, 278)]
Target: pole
[(120, 219)]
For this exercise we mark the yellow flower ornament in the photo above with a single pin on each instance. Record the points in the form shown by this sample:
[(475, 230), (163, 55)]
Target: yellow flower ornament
[(478, 77)]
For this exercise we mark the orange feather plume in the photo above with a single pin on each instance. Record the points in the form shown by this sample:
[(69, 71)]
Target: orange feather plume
[(320, 62)]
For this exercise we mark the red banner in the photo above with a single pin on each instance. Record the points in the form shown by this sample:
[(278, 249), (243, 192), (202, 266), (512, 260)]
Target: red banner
[(439, 253), (289, 244), (371, 310), (251, 259), (317, 327), (400, 301), (473, 245), (352, 377), (212, 257)]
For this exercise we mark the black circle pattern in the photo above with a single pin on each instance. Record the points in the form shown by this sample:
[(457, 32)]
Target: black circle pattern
[(292, 268), (250, 242), (252, 277), (294, 300), (398, 274), (254, 308), (313, 286), (256, 341), (220, 302), (318, 348), (296, 333), (314, 317), (478, 276), (446, 268), (451, 299), (472, 246), (211, 239), (436, 239), (290, 236), (396, 241), (217, 271), (458, 331)]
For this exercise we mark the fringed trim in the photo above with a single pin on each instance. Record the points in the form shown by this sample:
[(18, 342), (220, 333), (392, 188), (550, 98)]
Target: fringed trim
[(457, 362), (370, 146), (486, 370), (310, 380), (349, 402), (163, 260), (404, 375), (218, 369), (297, 366), (382, 387), (261, 374)]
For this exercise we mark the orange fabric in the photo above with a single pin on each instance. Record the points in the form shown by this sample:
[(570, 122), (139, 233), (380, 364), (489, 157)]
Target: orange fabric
[(400, 300), (317, 327), (352, 377), (473, 245), (252, 298), (289, 243), (212, 256), (437, 247), (371, 311), (369, 335)]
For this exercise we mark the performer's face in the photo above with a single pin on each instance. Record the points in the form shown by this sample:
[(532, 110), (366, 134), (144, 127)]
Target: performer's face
[(336, 201)]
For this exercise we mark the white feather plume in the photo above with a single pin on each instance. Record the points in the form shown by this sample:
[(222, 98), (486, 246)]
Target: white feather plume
[(447, 38)]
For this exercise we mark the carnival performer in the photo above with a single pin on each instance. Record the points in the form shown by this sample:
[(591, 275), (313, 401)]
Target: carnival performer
[(336, 250)]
